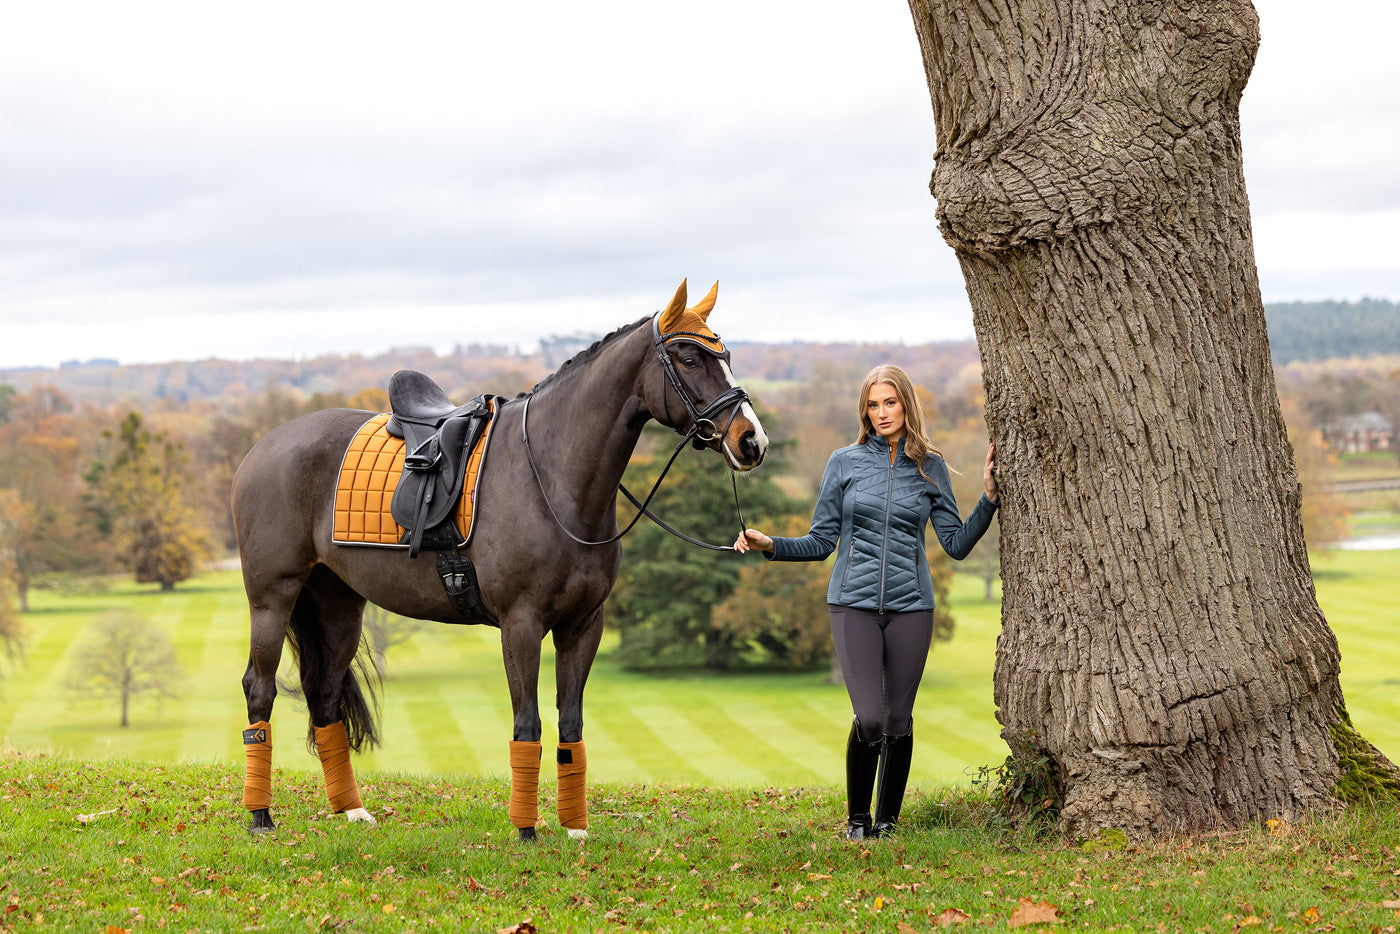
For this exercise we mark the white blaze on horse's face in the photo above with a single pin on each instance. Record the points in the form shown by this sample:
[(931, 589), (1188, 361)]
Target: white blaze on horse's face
[(744, 443), (760, 437)]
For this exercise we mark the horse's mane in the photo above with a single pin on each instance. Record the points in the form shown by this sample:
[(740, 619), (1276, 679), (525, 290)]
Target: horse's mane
[(568, 366)]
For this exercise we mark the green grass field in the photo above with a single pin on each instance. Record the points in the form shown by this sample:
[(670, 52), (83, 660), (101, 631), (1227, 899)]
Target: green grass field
[(446, 710), (124, 847)]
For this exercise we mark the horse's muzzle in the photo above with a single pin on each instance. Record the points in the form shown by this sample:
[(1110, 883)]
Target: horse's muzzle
[(746, 443)]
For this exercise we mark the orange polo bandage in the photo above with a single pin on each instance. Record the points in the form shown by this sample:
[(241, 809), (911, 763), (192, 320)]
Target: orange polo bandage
[(333, 746), (524, 784), (573, 775), (257, 768)]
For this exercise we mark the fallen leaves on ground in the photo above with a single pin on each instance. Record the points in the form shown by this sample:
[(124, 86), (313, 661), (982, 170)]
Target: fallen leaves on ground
[(1031, 912), (951, 916)]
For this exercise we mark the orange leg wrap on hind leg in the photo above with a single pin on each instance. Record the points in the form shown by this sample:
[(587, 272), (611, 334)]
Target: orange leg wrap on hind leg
[(573, 774), (524, 784), (257, 766), (333, 746)]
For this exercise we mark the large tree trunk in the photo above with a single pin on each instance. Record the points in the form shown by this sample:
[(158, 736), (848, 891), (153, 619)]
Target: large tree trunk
[(1161, 641)]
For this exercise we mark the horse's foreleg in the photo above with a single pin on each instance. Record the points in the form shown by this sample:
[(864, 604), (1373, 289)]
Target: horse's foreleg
[(520, 649), (574, 654)]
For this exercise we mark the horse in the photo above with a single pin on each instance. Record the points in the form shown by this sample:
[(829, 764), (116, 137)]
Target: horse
[(544, 546)]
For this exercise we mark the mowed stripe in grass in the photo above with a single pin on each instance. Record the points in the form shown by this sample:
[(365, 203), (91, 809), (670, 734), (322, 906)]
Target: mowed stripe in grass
[(1357, 591), (446, 707)]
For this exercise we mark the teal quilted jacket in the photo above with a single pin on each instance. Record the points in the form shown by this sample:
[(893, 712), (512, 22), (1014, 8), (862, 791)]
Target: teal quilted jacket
[(876, 512)]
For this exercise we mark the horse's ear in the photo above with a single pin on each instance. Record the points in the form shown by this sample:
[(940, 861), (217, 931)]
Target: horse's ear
[(673, 311), (707, 304)]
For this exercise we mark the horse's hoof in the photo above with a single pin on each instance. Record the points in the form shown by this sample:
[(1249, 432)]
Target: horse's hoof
[(575, 834), (262, 822), (527, 835), (360, 815)]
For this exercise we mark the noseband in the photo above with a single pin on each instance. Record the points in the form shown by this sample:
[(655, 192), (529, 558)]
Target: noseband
[(703, 430)]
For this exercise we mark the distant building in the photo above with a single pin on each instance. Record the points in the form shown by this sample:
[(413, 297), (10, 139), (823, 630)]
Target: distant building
[(1369, 431)]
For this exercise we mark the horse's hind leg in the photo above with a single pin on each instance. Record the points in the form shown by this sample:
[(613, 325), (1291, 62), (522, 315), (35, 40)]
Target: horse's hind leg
[(270, 612), (574, 654), (327, 624)]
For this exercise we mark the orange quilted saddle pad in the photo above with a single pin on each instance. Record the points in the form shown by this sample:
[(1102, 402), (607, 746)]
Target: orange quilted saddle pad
[(370, 474)]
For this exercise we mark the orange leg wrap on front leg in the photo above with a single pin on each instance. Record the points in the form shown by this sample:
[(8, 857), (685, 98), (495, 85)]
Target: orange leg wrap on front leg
[(333, 746), (257, 768), (573, 775), (524, 784)]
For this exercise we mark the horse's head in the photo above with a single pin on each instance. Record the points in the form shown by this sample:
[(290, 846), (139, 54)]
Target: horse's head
[(697, 390)]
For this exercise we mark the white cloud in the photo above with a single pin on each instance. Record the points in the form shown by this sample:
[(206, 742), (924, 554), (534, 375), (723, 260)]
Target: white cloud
[(180, 181)]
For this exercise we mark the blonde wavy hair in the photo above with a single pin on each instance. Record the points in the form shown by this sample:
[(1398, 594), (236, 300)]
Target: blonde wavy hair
[(916, 443)]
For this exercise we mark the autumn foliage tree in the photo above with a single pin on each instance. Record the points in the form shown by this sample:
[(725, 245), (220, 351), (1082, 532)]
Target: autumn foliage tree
[(41, 526), (11, 631), (140, 496)]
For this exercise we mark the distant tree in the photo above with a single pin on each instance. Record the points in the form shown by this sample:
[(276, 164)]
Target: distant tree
[(777, 610), (964, 447), (41, 526), (141, 499), (124, 657), (372, 399), (384, 630), (1331, 329), (667, 589), (216, 453), (11, 630), (1324, 512)]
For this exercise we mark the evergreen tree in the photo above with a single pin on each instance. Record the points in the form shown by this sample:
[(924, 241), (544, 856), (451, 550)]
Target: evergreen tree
[(141, 500), (667, 589)]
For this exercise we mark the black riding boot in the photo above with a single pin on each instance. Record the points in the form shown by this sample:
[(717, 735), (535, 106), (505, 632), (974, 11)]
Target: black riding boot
[(889, 787), (862, 759)]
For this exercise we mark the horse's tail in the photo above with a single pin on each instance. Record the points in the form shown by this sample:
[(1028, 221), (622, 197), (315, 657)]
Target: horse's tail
[(358, 706)]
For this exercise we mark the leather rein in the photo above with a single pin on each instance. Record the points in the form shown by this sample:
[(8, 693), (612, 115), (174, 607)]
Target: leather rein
[(703, 430)]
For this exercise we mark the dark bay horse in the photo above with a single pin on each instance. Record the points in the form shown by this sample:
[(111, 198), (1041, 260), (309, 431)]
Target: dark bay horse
[(542, 547)]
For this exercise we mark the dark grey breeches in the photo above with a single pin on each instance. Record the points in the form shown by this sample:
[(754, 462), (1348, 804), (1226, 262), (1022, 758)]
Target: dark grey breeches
[(882, 659)]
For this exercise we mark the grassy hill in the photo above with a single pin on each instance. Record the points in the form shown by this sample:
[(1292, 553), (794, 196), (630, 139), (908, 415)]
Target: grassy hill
[(715, 803), (446, 709)]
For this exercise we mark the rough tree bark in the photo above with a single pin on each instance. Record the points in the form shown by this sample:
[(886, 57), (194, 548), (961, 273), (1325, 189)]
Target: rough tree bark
[(1161, 641)]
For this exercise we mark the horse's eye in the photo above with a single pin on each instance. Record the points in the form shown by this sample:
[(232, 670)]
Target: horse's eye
[(690, 362)]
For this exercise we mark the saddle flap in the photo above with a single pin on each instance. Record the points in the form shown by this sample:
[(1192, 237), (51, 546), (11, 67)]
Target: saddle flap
[(435, 458)]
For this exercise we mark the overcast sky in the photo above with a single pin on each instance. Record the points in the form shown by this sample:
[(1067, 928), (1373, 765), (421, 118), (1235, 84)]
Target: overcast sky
[(285, 179)]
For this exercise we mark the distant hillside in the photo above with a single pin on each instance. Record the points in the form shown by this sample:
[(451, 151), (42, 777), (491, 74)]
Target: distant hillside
[(1298, 331), (1313, 331)]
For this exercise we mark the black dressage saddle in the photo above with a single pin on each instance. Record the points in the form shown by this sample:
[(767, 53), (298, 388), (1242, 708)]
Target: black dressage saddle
[(438, 438)]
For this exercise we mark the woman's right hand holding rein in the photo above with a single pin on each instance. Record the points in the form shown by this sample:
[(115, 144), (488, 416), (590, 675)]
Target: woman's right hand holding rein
[(753, 539)]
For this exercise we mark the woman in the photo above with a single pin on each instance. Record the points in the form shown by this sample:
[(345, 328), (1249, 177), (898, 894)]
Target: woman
[(875, 499)]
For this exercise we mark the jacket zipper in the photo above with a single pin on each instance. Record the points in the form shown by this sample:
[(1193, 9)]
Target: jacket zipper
[(850, 559), (885, 545)]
